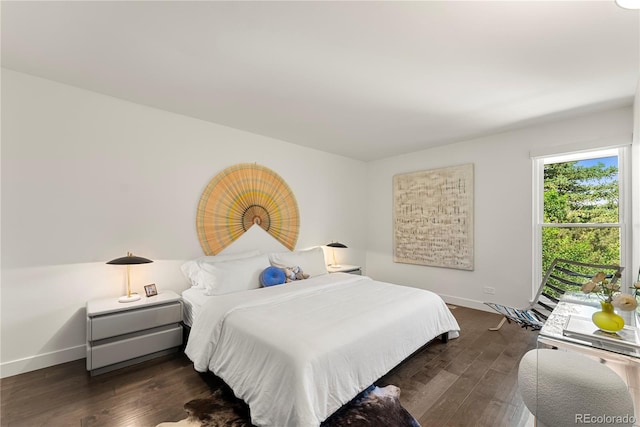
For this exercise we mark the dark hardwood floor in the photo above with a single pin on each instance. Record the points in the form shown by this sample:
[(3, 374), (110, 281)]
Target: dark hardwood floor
[(470, 381)]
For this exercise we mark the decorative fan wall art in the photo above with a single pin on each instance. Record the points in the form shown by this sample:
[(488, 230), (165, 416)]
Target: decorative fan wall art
[(240, 197)]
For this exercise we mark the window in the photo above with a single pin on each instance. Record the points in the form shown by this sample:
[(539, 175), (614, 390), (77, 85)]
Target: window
[(580, 208)]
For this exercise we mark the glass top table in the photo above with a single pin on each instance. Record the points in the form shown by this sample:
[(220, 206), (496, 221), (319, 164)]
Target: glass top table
[(570, 322)]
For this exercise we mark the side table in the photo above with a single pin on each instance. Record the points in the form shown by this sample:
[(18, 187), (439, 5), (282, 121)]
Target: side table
[(122, 334)]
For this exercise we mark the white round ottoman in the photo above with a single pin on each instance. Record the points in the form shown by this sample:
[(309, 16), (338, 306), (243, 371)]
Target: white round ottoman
[(571, 389)]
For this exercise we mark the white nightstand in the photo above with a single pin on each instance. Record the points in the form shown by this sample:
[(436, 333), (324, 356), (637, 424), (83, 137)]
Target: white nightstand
[(121, 334), (351, 269)]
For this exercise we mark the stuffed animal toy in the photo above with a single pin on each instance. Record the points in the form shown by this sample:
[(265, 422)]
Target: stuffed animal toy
[(299, 274), (294, 273)]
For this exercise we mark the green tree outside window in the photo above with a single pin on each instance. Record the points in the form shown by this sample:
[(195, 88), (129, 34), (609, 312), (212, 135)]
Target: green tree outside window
[(580, 192)]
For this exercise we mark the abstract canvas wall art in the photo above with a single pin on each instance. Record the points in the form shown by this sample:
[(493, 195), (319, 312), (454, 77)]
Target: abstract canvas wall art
[(433, 217)]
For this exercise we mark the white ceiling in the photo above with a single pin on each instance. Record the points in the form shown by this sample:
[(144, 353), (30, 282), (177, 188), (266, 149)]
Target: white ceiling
[(365, 80)]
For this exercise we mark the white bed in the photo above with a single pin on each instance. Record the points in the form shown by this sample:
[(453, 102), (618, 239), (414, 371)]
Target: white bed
[(296, 352)]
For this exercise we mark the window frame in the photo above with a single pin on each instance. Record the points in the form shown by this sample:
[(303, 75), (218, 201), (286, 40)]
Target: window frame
[(624, 204)]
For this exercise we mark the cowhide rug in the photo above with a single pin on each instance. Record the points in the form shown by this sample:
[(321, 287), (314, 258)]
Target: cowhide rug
[(374, 407)]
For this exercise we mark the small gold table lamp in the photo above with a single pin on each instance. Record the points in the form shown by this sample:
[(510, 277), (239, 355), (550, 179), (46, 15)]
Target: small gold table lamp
[(129, 260), (334, 245)]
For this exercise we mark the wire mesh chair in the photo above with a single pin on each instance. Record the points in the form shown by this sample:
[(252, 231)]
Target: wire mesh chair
[(563, 279)]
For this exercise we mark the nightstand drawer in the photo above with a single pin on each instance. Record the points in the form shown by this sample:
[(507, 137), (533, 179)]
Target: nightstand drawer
[(110, 352), (134, 320)]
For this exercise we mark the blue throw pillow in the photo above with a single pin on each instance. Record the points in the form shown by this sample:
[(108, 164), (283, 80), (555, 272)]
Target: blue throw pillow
[(272, 276)]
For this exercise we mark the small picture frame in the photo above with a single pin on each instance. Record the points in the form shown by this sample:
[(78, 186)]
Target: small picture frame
[(150, 290)]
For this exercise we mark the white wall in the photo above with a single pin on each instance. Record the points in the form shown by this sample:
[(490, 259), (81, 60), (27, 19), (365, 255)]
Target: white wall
[(503, 208), (87, 177)]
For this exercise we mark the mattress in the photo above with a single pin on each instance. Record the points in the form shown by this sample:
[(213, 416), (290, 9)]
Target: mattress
[(297, 352), (192, 300)]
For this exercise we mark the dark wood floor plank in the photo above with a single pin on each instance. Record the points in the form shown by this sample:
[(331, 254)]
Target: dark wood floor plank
[(470, 381), (478, 399), (448, 403), (426, 395)]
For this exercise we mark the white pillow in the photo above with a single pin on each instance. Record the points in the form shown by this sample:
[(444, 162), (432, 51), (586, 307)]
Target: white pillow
[(191, 269), (233, 276), (311, 261)]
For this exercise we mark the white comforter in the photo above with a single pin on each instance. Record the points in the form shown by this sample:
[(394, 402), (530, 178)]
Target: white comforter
[(297, 352)]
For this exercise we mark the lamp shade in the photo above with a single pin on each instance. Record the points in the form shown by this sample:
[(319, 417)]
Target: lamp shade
[(130, 259), (336, 245)]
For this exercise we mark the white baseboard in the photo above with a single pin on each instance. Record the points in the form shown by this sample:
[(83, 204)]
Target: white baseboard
[(469, 303), (39, 361)]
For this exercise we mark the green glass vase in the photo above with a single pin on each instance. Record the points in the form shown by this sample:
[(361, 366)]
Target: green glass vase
[(606, 319)]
